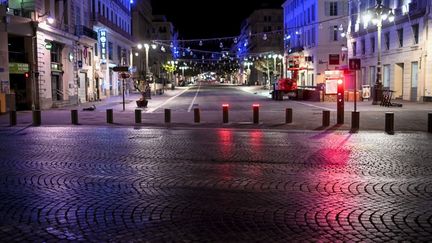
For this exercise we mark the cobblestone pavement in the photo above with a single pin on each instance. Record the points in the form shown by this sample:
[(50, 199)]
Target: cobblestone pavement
[(223, 185)]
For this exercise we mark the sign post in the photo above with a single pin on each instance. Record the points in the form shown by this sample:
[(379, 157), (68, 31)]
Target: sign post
[(124, 75), (354, 64)]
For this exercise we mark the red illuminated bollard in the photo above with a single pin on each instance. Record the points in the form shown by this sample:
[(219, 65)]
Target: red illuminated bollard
[(255, 113), (225, 113)]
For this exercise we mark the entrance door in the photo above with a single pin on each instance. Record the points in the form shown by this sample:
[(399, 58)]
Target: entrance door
[(386, 77), (18, 86), (82, 94), (56, 88), (414, 80), (398, 80)]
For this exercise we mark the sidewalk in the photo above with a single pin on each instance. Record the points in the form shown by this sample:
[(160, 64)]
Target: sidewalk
[(116, 102)]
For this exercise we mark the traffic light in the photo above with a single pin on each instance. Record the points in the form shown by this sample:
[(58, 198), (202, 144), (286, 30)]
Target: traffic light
[(340, 101), (26, 75)]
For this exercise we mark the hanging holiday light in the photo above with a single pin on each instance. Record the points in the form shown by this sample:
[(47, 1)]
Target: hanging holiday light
[(163, 49), (265, 37), (171, 45), (221, 45), (200, 43), (235, 40)]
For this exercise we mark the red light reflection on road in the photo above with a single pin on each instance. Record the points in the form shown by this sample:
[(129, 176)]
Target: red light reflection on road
[(225, 143)]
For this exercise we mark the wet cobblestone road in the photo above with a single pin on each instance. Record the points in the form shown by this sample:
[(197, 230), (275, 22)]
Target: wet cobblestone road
[(119, 184)]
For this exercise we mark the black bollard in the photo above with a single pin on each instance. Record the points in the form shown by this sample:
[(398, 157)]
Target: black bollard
[(12, 118), (37, 118), (389, 123), (197, 116), (255, 108), (288, 115), (137, 116), (430, 122), (167, 115), (225, 113), (355, 121), (326, 118), (110, 116), (74, 117)]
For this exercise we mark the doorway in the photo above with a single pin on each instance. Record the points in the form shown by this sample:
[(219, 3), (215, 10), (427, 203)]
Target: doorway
[(414, 80), (19, 87), (56, 87), (398, 80)]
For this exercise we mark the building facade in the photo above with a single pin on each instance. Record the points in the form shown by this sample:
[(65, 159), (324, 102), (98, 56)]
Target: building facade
[(314, 38), (405, 42), (142, 17), (112, 22), (261, 34)]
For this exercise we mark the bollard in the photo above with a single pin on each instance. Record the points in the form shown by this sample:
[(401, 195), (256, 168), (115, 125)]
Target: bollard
[(12, 118), (389, 123), (430, 122), (137, 116), (225, 113), (74, 117), (326, 118), (255, 108), (355, 121), (110, 116), (197, 116), (288, 116), (167, 115), (37, 118)]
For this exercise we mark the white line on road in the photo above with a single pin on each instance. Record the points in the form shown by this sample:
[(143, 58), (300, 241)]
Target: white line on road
[(193, 101), (166, 102), (320, 107)]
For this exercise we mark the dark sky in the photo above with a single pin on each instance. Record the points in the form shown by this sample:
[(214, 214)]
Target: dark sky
[(208, 18)]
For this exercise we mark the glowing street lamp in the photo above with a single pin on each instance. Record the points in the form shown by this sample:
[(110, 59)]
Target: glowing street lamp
[(377, 15)]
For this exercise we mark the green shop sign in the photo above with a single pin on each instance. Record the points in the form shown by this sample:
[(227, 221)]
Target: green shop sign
[(18, 68), (48, 46)]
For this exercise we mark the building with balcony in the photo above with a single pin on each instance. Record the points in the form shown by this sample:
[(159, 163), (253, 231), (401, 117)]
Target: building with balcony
[(405, 42), (315, 38), (142, 18), (111, 19), (261, 33)]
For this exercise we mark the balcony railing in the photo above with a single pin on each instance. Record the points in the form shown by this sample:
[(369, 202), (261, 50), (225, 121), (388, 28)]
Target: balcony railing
[(81, 30)]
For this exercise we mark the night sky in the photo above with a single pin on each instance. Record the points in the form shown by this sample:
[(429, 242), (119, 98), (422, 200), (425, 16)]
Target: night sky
[(208, 18)]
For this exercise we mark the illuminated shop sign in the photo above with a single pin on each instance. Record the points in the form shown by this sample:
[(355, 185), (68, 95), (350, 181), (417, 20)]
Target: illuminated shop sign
[(103, 44)]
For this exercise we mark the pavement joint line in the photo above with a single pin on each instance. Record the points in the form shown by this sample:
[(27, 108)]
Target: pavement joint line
[(167, 101), (320, 107), (193, 101)]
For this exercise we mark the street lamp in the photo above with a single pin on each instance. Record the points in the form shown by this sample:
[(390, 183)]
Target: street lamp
[(377, 15), (248, 64), (147, 47)]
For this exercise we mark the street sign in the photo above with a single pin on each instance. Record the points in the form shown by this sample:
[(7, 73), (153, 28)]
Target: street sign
[(125, 75), (354, 64), (121, 69), (334, 59)]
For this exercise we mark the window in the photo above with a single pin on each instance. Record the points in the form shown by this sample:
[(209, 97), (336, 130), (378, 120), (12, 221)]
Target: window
[(400, 37), (335, 33), (119, 53), (333, 8), (354, 48), (372, 41), (96, 49), (387, 40), (313, 12), (110, 50), (363, 47), (313, 36), (415, 30), (56, 50)]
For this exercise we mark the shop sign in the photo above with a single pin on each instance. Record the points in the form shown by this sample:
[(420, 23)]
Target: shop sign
[(103, 44), (18, 68)]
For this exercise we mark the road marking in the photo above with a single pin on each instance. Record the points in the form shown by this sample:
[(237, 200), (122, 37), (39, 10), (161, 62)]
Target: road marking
[(320, 107), (167, 101), (193, 101)]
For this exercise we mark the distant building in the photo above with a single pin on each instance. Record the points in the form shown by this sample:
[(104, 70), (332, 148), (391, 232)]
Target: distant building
[(314, 38), (142, 20), (261, 33), (112, 21), (163, 31), (405, 42)]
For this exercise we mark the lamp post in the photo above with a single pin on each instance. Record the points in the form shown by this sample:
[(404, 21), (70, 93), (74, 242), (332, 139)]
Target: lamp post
[(247, 64), (147, 47), (377, 15)]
